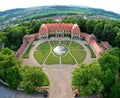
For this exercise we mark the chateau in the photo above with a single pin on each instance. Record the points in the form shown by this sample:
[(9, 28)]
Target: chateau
[(59, 30)]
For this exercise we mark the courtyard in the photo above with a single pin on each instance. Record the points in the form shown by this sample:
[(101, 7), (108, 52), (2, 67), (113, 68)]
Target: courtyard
[(59, 68), (74, 53)]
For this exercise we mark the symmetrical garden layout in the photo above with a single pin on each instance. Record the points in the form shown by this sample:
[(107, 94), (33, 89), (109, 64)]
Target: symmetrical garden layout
[(74, 54), (58, 68)]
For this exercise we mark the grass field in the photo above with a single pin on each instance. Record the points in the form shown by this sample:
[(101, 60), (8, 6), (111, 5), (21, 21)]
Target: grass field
[(79, 55), (52, 60), (46, 80), (44, 49), (66, 43), (44, 46), (26, 54), (68, 59), (40, 56), (42, 52), (75, 45), (54, 43), (91, 51)]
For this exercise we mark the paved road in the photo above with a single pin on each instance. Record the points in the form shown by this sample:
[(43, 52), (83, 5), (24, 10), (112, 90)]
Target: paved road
[(60, 79)]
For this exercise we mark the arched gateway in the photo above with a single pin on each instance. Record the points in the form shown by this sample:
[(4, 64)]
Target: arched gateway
[(59, 29)]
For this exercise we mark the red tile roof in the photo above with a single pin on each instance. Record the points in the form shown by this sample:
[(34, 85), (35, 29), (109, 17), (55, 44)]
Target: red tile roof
[(96, 47), (92, 40), (59, 27)]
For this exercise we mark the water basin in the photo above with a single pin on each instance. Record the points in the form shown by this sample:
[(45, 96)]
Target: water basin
[(60, 50)]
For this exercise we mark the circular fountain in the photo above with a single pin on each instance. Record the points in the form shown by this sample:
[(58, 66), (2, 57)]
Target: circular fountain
[(60, 50)]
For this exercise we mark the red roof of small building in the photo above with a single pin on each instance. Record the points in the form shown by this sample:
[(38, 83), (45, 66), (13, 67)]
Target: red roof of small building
[(92, 40), (85, 35), (35, 35), (96, 47)]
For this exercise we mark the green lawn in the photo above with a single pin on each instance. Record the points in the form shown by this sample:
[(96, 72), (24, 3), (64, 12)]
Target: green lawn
[(46, 80), (77, 51), (26, 54), (44, 49), (66, 43), (91, 51), (68, 59), (52, 60), (75, 45), (54, 43), (44, 46), (79, 55), (40, 56), (42, 52)]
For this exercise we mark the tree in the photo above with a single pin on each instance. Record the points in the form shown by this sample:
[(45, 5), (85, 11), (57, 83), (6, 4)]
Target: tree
[(35, 26), (32, 77), (117, 39), (90, 24), (115, 51), (109, 33), (115, 90), (108, 61), (87, 79), (15, 33), (69, 20), (108, 79), (81, 22), (29, 86), (109, 66), (2, 39), (13, 77), (98, 30), (9, 68), (7, 60)]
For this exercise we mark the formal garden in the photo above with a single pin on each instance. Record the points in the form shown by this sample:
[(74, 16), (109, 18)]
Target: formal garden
[(73, 53)]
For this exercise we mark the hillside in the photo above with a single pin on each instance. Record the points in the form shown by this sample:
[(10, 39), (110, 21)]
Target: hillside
[(14, 16)]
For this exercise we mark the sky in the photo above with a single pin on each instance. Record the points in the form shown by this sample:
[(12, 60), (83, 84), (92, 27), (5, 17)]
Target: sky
[(109, 5)]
